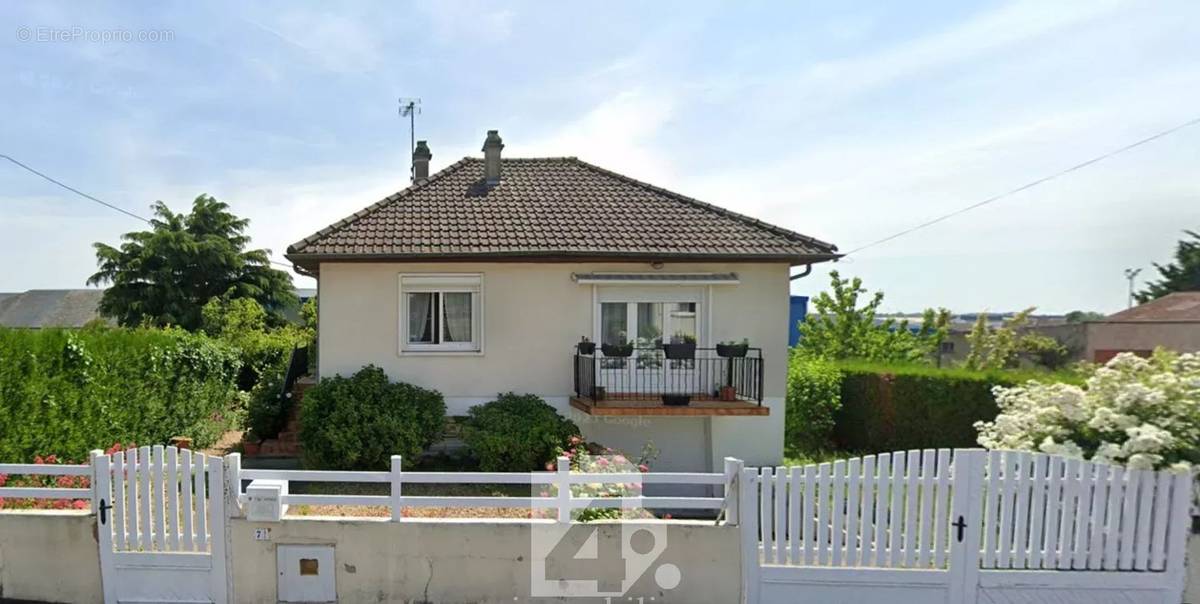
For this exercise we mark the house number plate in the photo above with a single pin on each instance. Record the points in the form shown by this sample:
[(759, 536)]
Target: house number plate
[(262, 534)]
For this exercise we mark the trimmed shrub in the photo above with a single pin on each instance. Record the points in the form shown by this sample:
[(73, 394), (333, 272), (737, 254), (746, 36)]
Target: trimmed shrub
[(516, 433), (359, 422), (66, 392), (813, 399), (892, 408)]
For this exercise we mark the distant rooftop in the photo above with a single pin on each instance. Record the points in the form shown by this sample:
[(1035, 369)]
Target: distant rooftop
[(50, 307), (1176, 307)]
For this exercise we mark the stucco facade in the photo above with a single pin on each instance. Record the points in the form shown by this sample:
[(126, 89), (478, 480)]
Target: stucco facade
[(532, 314)]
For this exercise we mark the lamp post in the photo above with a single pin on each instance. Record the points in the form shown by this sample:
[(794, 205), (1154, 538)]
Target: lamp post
[(1130, 275)]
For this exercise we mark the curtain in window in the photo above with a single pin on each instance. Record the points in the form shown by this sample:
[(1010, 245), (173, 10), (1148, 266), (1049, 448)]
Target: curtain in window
[(420, 314), (457, 316)]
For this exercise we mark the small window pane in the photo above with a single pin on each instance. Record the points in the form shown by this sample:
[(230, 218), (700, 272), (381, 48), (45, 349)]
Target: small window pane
[(421, 313), (457, 314), (614, 328)]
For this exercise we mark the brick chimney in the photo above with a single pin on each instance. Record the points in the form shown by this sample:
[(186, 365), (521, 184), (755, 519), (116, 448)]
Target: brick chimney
[(491, 157), (420, 162)]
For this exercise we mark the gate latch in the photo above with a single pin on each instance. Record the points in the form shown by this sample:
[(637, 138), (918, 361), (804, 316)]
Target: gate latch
[(103, 509), (961, 525)]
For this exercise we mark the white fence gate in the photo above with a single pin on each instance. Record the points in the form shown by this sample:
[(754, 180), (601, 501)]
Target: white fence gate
[(963, 526), (161, 525)]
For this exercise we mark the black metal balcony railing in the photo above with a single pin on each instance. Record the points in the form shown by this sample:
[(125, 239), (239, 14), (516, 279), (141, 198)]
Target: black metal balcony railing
[(647, 373)]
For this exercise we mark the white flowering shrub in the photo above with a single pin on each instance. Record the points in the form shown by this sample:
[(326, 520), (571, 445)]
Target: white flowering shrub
[(1143, 413)]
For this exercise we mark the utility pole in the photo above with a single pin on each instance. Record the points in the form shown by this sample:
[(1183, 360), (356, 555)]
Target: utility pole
[(409, 108), (1131, 274)]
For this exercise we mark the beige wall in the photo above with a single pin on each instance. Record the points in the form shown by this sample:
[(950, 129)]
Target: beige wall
[(533, 316), (49, 556), (1181, 337), (473, 561)]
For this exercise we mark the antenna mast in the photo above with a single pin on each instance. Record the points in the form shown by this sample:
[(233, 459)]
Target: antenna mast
[(409, 108)]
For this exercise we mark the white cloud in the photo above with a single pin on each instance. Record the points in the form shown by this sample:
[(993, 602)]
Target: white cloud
[(618, 134)]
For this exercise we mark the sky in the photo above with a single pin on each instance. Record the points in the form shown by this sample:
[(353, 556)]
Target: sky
[(848, 122)]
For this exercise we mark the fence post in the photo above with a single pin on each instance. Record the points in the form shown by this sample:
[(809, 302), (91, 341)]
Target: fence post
[(747, 486), (222, 492), (102, 508), (967, 527), (733, 469), (397, 501), (1179, 526), (233, 484), (562, 479)]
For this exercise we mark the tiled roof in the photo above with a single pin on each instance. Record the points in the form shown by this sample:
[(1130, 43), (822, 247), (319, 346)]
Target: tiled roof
[(549, 207), (1179, 306)]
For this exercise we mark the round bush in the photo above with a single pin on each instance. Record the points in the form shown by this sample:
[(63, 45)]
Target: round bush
[(359, 422), (516, 433)]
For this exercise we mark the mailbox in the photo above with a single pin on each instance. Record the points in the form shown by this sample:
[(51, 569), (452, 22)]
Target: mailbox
[(265, 500)]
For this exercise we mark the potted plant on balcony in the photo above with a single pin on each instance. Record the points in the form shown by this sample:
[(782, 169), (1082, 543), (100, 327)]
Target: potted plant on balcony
[(727, 393), (676, 400), (731, 349), (682, 346), (585, 346), (623, 348)]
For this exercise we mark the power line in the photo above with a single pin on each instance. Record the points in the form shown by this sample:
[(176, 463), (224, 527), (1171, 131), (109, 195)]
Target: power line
[(1030, 185), (97, 200)]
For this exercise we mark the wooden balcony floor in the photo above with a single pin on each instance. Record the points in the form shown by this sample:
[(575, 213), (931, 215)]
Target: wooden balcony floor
[(653, 405)]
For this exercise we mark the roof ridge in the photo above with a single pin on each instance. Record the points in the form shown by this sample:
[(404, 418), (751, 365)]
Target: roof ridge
[(708, 206), (367, 211)]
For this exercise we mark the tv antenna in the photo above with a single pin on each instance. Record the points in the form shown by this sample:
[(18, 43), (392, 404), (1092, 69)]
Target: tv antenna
[(409, 108), (1131, 274)]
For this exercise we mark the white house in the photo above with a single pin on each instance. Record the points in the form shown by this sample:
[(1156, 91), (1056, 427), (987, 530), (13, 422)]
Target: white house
[(484, 277)]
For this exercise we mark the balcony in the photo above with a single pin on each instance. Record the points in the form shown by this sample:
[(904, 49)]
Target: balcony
[(646, 382)]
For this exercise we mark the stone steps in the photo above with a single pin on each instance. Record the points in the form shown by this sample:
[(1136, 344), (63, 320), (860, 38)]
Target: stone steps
[(287, 442)]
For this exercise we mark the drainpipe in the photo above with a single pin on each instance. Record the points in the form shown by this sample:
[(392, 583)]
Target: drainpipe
[(807, 271)]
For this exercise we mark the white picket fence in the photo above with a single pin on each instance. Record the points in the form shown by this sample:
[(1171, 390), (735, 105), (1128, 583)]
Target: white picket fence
[(942, 516)]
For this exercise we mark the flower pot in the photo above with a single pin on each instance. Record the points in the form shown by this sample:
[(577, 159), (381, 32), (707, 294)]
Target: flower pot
[(250, 449), (732, 350), (727, 393), (676, 400), (616, 350), (586, 347), (681, 350)]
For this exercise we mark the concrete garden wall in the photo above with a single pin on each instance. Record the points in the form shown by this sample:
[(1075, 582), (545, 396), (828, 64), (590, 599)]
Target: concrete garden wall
[(49, 556), (475, 561)]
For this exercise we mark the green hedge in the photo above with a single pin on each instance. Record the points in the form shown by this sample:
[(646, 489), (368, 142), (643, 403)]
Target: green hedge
[(813, 398), (873, 407), (359, 422), (65, 392)]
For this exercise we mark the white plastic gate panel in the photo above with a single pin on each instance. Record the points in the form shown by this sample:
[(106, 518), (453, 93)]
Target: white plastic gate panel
[(963, 526), (162, 527)]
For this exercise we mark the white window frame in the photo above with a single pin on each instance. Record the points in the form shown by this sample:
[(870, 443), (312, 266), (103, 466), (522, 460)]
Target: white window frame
[(442, 283)]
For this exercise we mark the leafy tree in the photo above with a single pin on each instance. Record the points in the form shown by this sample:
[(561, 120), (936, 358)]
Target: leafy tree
[(1002, 347), (165, 275), (1179, 276), (840, 329)]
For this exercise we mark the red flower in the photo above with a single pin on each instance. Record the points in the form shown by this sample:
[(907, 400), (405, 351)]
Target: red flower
[(643, 468), (80, 504), (38, 459), (52, 459)]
